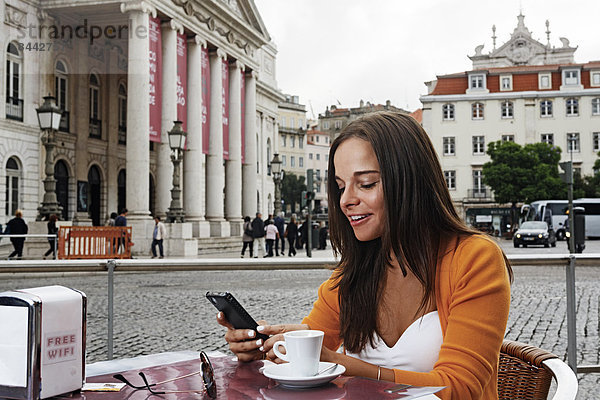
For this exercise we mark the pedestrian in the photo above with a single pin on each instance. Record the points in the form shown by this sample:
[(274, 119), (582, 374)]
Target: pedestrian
[(271, 234), (291, 232), (52, 230), (258, 233), (417, 297), (121, 220), (158, 235), (247, 236), (111, 220), (304, 234), (17, 226), (322, 236), (280, 224)]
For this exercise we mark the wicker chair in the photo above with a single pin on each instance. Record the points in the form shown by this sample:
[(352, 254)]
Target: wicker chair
[(525, 372)]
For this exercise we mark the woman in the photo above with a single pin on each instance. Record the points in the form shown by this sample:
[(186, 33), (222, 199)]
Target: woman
[(17, 226), (52, 230), (247, 237), (291, 231), (271, 235), (417, 297)]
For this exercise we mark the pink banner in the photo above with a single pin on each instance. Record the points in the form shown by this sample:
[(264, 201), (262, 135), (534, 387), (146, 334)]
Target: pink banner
[(243, 112), (225, 104), (205, 100), (182, 80), (155, 57)]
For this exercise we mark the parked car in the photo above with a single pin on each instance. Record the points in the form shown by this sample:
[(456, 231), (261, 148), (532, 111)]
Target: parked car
[(534, 232)]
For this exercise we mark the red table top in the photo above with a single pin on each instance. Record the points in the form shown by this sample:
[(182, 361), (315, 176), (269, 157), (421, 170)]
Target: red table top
[(235, 381)]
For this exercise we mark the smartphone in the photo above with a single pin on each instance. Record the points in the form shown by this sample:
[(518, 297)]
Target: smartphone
[(234, 312)]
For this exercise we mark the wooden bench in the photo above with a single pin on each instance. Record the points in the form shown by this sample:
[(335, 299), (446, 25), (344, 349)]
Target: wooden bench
[(92, 242)]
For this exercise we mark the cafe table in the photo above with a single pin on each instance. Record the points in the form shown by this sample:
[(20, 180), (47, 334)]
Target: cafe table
[(234, 380)]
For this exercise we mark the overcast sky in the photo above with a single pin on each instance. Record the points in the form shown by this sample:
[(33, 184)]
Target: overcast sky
[(332, 51)]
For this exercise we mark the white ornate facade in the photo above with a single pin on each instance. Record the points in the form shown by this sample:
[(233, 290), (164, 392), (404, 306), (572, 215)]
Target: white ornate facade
[(101, 77), (523, 91)]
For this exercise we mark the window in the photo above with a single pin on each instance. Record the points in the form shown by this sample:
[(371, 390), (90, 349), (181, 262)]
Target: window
[(61, 92), (13, 174), (595, 78), (596, 141), (292, 161), (326, 139), (283, 160), (506, 82), (546, 108), (548, 138), (477, 81), (326, 159), (596, 106), (95, 123), (325, 124), (449, 146), (317, 138), (310, 156), (318, 157), (545, 81), (572, 107), (448, 112), (478, 188), (508, 138), (573, 142), (301, 142), (507, 109), (300, 123), (450, 177), (477, 111), (301, 162), (292, 123), (571, 77), (292, 141), (14, 66), (122, 114), (283, 140), (283, 122), (338, 124), (478, 145)]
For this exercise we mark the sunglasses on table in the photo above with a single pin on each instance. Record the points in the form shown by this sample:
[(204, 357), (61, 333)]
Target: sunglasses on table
[(206, 370)]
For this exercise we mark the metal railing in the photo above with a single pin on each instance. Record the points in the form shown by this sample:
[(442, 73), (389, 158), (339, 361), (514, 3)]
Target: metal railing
[(95, 128), (216, 264), (64, 122)]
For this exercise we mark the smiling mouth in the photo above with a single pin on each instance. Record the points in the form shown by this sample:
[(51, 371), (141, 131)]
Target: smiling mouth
[(356, 219)]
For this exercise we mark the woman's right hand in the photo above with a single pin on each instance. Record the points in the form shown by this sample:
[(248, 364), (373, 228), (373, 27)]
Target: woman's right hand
[(242, 342)]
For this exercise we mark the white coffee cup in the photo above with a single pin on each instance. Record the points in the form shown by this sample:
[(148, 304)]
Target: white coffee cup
[(303, 351)]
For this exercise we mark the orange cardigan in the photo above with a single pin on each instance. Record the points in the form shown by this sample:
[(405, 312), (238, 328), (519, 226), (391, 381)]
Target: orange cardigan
[(473, 299)]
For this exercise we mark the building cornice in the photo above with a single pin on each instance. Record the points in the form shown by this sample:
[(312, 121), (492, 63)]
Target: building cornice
[(509, 95), (269, 91)]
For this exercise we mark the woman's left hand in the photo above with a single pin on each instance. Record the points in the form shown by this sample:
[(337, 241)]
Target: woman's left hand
[(276, 332)]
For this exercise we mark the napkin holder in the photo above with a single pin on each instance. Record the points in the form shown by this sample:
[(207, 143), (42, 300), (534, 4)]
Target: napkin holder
[(42, 342)]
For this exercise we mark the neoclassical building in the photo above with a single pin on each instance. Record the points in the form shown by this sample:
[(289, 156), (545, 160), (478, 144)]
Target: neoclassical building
[(523, 91), (123, 72)]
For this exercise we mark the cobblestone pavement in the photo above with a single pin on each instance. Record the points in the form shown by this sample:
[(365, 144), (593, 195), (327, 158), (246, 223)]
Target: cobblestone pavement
[(167, 311)]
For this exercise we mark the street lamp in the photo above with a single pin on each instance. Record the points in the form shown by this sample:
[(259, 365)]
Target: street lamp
[(177, 137), (49, 120), (277, 178)]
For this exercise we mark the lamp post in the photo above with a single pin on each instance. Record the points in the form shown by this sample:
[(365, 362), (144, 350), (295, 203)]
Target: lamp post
[(277, 178), (177, 137), (49, 120)]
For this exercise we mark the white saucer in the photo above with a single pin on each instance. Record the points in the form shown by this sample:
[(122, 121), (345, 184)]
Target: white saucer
[(281, 373)]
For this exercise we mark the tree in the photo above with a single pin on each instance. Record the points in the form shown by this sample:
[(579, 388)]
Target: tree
[(523, 173), (291, 189)]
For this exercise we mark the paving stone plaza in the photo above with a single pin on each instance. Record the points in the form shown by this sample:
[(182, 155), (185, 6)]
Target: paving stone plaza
[(167, 311)]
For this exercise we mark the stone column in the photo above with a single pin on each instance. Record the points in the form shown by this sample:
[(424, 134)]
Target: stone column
[(249, 205), (215, 175), (164, 166), (233, 166), (263, 161), (138, 122)]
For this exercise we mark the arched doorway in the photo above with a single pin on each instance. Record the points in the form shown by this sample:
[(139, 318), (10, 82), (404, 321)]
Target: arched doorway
[(121, 191), (94, 182), (61, 174)]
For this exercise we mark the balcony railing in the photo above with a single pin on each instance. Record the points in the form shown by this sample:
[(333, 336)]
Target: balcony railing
[(95, 128), (64, 122), (483, 194), (122, 134), (14, 108)]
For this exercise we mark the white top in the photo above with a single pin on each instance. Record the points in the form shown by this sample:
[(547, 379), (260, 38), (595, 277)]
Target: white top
[(416, 350), (271, 232)]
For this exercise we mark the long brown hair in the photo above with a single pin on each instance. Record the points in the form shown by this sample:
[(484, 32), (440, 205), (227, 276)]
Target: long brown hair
[(419, 219)]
